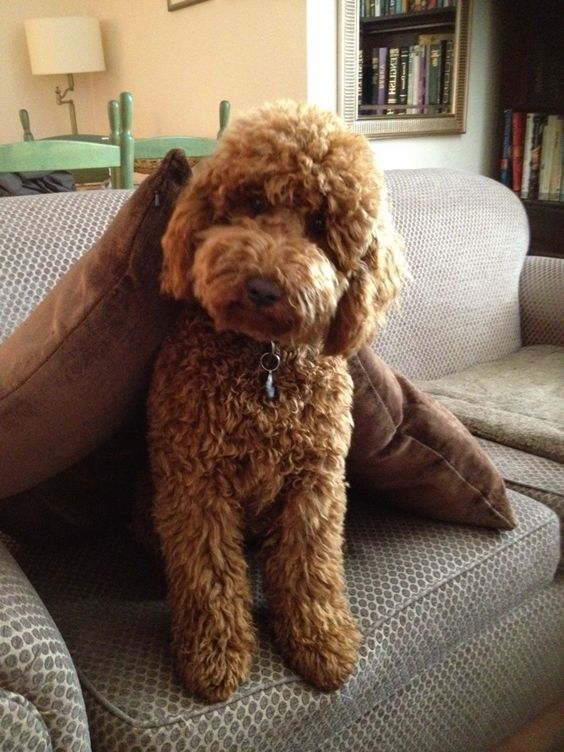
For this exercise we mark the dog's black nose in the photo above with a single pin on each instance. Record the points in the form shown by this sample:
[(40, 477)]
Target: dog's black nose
[(262, 291)]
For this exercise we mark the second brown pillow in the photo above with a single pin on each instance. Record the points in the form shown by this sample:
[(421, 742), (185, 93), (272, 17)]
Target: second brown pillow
[(409, 450)]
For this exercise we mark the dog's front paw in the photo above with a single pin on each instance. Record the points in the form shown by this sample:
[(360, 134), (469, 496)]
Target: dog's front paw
[(212, 667), (324, 651)]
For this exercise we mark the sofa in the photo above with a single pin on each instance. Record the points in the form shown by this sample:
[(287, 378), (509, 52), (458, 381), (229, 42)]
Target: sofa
[(463, 626)]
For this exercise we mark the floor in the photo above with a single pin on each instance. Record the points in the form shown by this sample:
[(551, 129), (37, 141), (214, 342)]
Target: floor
[(545, 733)]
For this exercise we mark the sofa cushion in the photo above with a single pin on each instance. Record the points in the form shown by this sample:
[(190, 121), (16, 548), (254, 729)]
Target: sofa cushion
[(76, 369), (533, 476), (42, 237), (418, 588), (517, 400), (411, 451), (430, 712), (465, 240), (541, 292)]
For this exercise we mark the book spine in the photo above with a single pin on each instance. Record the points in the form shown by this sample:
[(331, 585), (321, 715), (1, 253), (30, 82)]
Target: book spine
[(556, 167), (527, 154), (403, 67), (382, 75), (505, 174), (411, 80), (422, 81), (547, 155), (448, 62), (535, 157), (393, 62), (375, 74), (517, 145), (561, 197), (433, 88)]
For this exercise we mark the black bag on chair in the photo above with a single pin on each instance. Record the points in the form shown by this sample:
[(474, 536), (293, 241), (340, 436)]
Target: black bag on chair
[(28, 183)]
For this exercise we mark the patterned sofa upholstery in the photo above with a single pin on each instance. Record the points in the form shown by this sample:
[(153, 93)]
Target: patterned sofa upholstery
[(463, 637)]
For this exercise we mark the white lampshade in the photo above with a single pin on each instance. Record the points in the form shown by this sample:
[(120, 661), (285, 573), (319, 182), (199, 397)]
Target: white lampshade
[(69, 44)]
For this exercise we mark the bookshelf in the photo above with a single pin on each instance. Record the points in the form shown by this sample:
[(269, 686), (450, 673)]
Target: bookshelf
[(532, 93), (403, 66)]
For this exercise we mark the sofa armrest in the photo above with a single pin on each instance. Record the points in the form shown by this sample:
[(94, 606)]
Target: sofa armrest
[(541, 292), (37, 676), (21, 723)]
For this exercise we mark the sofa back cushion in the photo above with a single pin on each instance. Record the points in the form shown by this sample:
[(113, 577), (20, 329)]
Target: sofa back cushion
[(466, 238), (42, 236)]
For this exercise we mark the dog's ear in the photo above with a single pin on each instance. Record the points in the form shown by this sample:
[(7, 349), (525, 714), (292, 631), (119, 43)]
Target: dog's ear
[(191, 215), (372, 289)]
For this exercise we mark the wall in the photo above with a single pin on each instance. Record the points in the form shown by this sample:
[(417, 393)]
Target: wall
[(20, 89), (180, 65)]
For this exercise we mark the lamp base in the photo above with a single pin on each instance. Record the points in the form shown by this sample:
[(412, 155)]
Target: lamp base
[(61, 100)]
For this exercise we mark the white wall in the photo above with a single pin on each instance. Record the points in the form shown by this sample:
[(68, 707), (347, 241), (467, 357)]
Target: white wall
[(476, 150), (321, 39)]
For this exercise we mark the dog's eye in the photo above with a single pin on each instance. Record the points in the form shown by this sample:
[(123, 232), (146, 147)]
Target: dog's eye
[(316, 224), (258, 204)]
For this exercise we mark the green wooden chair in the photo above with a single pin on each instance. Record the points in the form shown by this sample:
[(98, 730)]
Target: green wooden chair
[(143, 154), (50, 155), (58, 154)]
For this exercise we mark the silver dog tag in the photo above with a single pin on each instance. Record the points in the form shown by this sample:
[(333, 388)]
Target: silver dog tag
[(270, 362), (270, 387)]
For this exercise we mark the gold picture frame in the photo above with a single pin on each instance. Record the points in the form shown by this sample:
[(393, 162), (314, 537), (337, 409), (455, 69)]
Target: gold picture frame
[(358, 35), (177, 4)]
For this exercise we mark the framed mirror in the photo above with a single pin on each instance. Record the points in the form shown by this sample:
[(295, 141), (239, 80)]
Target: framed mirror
[(403, 66)]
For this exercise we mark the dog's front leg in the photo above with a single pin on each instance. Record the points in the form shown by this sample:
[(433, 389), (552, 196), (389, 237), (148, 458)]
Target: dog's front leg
[(208, 588), (303, 579)]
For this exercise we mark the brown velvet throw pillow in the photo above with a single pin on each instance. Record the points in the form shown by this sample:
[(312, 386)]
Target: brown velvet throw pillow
[(411, 451), (75, 371)]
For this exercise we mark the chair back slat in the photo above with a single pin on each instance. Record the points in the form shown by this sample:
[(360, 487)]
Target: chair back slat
[(126, 139), (115, 127), (24, 120), (52, 155), (157, 147), (224, 112)]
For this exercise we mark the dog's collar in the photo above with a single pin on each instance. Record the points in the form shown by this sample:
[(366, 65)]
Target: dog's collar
[(270, 362)]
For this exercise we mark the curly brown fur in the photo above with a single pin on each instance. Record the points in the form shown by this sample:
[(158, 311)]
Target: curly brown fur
[(284, 236)]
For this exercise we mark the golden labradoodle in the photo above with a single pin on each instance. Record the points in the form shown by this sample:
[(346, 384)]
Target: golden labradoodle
[(283, 252)]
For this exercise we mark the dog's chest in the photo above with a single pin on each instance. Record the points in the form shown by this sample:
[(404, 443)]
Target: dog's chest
[(211, 389)]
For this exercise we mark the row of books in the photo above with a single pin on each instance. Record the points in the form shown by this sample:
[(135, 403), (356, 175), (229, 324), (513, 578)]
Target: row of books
[(533, 155), (414, 79), (378, 8)]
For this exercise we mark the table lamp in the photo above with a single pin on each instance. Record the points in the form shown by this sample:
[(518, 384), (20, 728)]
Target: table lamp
[(69, 44)]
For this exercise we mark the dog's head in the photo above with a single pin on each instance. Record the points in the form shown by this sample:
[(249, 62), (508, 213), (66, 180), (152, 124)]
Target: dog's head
[(285, 235)]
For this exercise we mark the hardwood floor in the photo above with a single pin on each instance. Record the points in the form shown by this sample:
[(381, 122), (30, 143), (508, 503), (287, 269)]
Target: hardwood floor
[(545, 733)]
